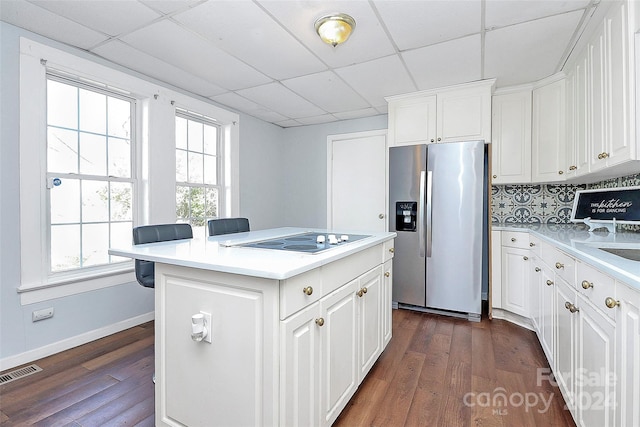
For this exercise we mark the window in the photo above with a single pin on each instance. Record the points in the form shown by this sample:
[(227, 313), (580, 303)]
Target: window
[(197, 170), (90, 174)]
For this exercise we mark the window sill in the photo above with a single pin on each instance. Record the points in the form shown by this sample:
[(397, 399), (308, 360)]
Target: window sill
[(74, 285)]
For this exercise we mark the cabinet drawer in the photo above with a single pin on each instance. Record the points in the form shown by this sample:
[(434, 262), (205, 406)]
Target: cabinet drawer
[(535, 245), (299, 291), (563, 265), (596, 286), (515, 239)]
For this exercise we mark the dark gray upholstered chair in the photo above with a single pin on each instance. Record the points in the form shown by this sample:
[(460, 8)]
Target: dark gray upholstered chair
[(227, 226), (156, 233)]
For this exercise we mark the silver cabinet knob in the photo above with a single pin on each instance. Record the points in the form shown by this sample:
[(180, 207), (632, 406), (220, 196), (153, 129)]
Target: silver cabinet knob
[(381, 216)]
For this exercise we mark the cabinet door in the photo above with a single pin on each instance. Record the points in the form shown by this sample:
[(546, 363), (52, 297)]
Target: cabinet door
[(299, 373), (581, 132), (547, 306), (464, 115), (535, 292), (515, 278), (339, 350), (511, 138), (628, 355), (370, 294), (618, 54), (387, 312), (412, 121), (565, 342), (597, 103), (548, 135), (595, 396), (496, 269)]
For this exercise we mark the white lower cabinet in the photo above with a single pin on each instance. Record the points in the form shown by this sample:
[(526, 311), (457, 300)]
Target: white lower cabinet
[(588, 325), (516, 276), (595, 374), (565, 326), (628, 355), (329, 347), (387, 290)]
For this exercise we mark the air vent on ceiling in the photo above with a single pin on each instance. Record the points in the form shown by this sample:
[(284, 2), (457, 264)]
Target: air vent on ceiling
[(19, 373)]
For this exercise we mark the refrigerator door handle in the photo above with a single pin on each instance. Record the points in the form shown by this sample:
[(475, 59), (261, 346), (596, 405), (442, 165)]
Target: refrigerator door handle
[(429, 210), (421, 213)]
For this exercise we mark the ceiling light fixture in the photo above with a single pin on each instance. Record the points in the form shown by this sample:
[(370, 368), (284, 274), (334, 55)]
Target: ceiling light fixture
[(335, 29)]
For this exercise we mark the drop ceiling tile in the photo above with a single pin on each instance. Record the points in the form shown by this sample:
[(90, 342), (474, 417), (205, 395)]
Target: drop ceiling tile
[(530, 51), (247, 32), (376, 79), (415, 24), (368, 41), (170, 6), (327, 91), (123, 54), (356, 114), (447, 63), (288, 123), (173, 44), (233, 100), (110, 17), (280, 99), (499, 13), (48, 24), (325, 118)]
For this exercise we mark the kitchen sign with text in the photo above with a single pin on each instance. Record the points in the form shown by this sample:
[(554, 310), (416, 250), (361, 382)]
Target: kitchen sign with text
[(605, 204)]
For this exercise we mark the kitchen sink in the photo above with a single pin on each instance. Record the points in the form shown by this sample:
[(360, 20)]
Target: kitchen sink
[(632, 254), (626, 250)]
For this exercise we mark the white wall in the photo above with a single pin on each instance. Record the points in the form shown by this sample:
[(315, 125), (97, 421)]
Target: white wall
[(282, 182), (305, 156)]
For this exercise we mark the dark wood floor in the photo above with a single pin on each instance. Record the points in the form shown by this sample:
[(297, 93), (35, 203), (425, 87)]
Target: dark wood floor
[(436, 371)]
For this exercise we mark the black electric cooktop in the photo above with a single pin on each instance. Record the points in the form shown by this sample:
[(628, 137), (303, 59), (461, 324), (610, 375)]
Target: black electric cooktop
[(304, 242)]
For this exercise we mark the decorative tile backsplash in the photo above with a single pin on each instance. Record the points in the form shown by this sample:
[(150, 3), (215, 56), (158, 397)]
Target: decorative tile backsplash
[(545, 203)]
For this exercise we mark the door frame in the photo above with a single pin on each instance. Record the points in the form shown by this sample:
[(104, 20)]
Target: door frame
[(331, 140)]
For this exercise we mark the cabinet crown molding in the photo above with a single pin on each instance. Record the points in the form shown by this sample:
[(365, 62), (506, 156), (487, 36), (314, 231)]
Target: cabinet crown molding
[(466, 86)]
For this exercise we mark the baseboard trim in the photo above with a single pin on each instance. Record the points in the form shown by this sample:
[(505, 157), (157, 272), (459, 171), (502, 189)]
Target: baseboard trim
[(68, 343), (498, 313)]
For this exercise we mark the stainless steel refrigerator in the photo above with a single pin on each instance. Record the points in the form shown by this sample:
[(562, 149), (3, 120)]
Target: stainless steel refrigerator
[(438, 208)]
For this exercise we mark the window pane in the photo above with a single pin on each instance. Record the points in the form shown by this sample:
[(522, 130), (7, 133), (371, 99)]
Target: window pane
[(197, 203), (210, 139), (62, 105), (95, 244), (95, 203), (93, 154), (181, 166), (65, 247), (62, 151), (93, 112), (211, 199), (181, 133), (119, 117), (195, 136), (119, 157), (195, 168), (182, 202), (121, 235), (210, 170), (65, 202), (121, 201)]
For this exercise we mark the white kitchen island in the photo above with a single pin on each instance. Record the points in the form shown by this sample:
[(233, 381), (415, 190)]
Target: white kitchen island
[(292, 334)]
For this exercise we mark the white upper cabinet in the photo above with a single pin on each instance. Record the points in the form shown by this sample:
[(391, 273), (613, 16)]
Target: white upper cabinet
[(601, 117), (548, 136), (458, 113), (511, 137)]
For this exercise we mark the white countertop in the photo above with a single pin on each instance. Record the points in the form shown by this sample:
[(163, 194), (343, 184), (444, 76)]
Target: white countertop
[(575, 240), (213, 253)]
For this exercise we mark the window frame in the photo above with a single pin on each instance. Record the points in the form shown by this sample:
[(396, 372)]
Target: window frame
[(52, 75), (155, 112), (219, 186)]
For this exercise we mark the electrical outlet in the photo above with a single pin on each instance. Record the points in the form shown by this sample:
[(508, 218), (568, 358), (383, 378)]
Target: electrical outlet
[(45, 313)]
